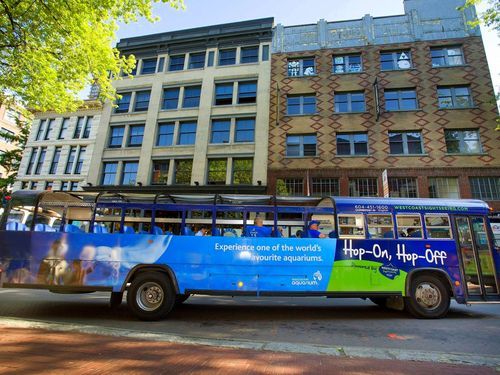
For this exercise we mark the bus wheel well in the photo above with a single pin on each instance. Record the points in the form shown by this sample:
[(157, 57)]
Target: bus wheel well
[(141, 269), (441, 275)]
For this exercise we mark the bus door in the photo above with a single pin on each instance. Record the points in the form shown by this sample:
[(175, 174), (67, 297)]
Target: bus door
[(476, 255)]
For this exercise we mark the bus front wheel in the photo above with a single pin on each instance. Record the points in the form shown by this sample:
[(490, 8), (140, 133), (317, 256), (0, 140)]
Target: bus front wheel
[(151, 296), (429, 298)]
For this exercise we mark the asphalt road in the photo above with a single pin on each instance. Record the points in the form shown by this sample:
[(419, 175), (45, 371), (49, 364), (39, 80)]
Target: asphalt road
[(318, 321)]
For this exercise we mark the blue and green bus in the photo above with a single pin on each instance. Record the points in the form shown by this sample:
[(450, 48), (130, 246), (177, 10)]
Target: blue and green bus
[(160, 249)]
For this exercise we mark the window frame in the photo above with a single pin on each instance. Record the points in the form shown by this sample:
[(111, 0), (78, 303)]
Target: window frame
[(111, 136), (234, 171), (368, 181), (224, 60), (166, 99), (301, 144), (120, 101), (254, 58), (301, 105), (171, 58), (377, 226), (406, 227), (346, 64), (183, 134), (131, 136), (149, 71), (213, 132), (400, 100), (248, 96), (429, 226), (352, 143), (404, 142), (462, 141), (224, 97), (349, 96), (355, 226), (125, 173), (394, 59), (194, 64), (104, 173), (195, 98), (445, 55), (213, 160), (136, 101), (453, 97), (160, 134), (478, 185), (301, 71)]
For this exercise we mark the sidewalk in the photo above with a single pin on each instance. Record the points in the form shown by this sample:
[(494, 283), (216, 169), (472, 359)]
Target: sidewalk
[(37, 351)]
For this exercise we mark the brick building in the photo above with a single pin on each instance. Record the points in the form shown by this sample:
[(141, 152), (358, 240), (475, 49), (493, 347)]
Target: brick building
[(432, 127)]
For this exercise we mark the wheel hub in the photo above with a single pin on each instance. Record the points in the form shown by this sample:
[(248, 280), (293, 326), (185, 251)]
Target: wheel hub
[(150, 296), (428, 295)]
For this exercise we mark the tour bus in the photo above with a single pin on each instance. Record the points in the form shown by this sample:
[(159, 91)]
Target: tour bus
[(160, 249)]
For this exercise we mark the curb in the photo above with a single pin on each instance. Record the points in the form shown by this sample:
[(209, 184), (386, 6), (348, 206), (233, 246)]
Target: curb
[(336, 351)]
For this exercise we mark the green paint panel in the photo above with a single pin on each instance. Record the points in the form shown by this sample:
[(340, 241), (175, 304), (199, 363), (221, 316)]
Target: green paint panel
[(363, 276)]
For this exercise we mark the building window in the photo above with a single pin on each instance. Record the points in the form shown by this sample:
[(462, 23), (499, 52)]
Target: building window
[(301, 145), (462, 142), (396, 60), (64, 128), (346, 102), (183, 169), (160, 172), (247, 92), (216, 171), (79, 127), (290, 186), (400, 100), (211, 58), (129, 174), (265, 53), (48, 185), (50, 127), (55, 160), (223, 93), (245, 129), (24, 185), (80, 159), (352, 144), (170, 98), (88, 127), (71, 160), (220, 131), (454, 97), (109, 173), (64, 186), (165, 134), (34, 185), (148, 66), (242, 171), (405, 143), (123, 103), (41, 159), (443, 187), (187, 133), (196, 60), (6, 135), (447, 56), (116, 137), (142, 101), (176, 63), (136, 134), (227, 56), (301, 105), (34, 153), (347, 64), (161, 64), (191, 97), (249, 55), (73, 185), (363, 187), (403, 187), (41, 130), (325, 187), (485, 188), (301, 67)]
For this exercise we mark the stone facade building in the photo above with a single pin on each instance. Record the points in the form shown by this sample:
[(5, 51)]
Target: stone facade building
[(8, 116), (195, 115), (58, 148), (410, 94)]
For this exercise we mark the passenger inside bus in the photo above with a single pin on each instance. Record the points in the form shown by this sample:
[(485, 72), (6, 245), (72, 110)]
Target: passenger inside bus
[(258, 229), (313, 230)]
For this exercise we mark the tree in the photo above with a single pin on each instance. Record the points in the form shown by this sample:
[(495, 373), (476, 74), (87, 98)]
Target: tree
[(490, 17), (52, 50), (11, 160)]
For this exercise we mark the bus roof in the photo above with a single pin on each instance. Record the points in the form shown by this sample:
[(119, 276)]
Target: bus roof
[(365, 204)]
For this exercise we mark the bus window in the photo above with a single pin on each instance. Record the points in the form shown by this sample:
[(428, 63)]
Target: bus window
[(351, 226), (110, 218), (409, 226), (437, 226), (291, 224), (380, 226)]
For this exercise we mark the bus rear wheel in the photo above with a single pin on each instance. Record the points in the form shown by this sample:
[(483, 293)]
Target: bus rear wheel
[(151, 296), (429, 298)]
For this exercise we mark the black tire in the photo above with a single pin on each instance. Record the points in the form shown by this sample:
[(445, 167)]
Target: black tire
[(379, 301), (151, 296), (429, 298), (181, 298)]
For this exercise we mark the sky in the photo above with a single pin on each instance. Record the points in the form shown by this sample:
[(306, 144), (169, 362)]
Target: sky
[(287, 12)]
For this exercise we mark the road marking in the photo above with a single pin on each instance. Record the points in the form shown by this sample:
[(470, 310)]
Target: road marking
[(342, 351)]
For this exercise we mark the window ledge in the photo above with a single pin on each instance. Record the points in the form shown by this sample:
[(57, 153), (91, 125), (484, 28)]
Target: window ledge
[(352, 156), (398, 70), (301, 157), (303, 76), (409, 155), (466, 154), (350, 113), (344, 73), (303, 115), (405, 110), (450, 66), (457, 108)]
